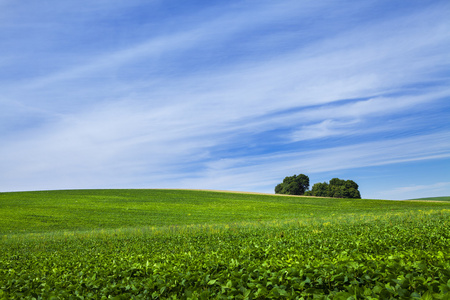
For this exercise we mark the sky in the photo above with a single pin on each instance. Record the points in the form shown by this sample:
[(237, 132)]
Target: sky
[(228, 95)]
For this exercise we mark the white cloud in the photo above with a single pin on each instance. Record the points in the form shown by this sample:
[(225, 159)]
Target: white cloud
[(261, 173), (320, 130), (150, 151), (418, 191), (162, 124), (208, 27)]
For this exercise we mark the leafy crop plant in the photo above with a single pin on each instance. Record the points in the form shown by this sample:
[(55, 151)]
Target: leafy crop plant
[(391, 250)]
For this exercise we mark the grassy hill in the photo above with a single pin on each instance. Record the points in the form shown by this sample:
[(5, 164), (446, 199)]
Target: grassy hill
[(179, 244), (434, 198), (48, 211)]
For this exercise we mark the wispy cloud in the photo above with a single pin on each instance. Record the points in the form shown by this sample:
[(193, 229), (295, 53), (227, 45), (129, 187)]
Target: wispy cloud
[(231, 95), (418, 191)]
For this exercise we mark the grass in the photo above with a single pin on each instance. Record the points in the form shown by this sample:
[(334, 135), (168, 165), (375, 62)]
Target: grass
[(72, 210), (177, 244), (434, 198)]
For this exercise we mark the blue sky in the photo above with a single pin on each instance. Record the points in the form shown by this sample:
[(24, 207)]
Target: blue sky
[(231, 95)]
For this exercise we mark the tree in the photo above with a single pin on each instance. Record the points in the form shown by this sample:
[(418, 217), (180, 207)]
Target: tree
[(279, 188), (320, 189), (293, 185), (354, 193), (337, 188)]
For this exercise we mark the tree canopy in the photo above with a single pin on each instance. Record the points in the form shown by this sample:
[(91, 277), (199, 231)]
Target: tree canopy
[(293, 185), (337, 188)]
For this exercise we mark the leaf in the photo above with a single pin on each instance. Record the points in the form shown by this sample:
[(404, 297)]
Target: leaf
[(155, 295), (212, 281), (229, 284), (427, 296)]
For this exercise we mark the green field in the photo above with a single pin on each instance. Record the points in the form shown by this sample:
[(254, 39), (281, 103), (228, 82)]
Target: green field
[(178, 244), (434, 199)]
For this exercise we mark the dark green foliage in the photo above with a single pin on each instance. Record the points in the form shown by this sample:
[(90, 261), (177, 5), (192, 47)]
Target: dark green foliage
[(320, 189), (293, 185), (337, 188), (394, 256), (279, 188)]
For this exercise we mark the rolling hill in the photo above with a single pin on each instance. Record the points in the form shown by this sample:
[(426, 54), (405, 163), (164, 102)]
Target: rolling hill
[(186, 244)]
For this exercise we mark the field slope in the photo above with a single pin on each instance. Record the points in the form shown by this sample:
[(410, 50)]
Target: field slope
[(447, 198), (78, 210), (186, 244)]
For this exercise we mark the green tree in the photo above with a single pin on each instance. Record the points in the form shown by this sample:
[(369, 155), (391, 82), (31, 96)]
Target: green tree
[(320, 189), (354, 193), (279, 188), (337, 188), (293, 185)]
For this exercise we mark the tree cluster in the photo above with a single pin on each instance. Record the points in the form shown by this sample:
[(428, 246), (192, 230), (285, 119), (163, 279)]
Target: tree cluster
[(336, 188), (293, 185)]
